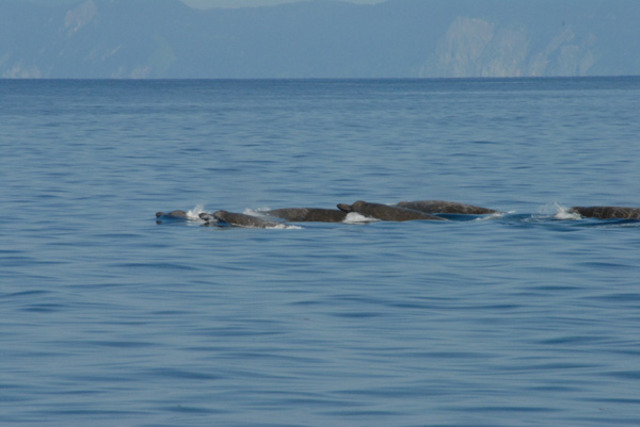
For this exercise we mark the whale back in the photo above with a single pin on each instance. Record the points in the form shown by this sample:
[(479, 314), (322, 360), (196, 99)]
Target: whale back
[(607, 212), (224, 218), (444, 207), (309, 214), (242, 220), (386, 212)]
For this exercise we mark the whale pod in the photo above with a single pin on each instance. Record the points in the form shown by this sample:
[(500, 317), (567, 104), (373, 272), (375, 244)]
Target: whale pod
[(309, 214), (607, 212), (444, 207), (386, 212)]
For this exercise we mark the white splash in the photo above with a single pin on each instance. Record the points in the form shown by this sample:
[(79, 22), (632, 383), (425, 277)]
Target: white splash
[(356, 218), (284, 227), (194, 214), (261, 212), (563, 213), (493, 216)]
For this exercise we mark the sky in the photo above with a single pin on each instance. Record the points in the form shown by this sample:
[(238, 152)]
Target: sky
[(203, 4)]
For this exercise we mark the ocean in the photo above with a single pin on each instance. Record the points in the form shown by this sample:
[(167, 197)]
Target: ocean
[(526, 318)]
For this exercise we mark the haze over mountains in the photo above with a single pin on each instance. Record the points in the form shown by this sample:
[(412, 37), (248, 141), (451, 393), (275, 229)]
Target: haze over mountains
[(319, 39)]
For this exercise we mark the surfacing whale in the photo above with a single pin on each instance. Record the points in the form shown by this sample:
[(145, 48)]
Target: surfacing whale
[(606, 212), (386, 212), (172, 215), (224, 218), (444, 207), (308, 214)]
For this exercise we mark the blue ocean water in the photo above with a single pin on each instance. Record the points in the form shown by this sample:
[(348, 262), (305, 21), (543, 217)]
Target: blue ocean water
[(522, 319)]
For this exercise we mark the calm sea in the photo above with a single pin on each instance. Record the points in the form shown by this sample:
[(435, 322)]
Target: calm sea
[(523, 319)]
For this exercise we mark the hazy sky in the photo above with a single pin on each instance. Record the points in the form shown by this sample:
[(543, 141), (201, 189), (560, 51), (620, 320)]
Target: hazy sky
[(245, 3)]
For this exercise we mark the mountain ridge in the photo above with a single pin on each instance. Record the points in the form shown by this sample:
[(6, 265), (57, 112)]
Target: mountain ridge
[(319, 39)]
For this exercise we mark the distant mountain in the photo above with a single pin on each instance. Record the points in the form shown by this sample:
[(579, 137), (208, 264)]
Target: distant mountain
[(319, 38)]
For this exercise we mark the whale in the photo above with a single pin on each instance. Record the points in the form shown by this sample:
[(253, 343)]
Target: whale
[(606, 212), (308, 214), (225, 218), (386, 212), (444, 207), (172, 215)]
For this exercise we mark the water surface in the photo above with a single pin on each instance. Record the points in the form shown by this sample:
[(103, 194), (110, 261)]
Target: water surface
[(516, 320)]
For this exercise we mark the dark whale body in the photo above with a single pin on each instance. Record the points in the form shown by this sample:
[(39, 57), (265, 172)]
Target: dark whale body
[(309, 214), (172, 215), (607, 212), (224, 218), (445, 207), (385, 212)]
